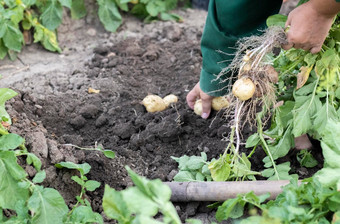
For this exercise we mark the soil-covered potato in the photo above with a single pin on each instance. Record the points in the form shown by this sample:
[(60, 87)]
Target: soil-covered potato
[(154, 103), (198, 108)]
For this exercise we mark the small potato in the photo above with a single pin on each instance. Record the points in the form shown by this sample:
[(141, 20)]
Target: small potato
[(220, 102), (154, 103), (170, 99), (198, 108), (244, 89)]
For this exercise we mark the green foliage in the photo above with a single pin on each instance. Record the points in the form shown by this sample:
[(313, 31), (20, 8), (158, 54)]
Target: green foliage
[(43, 17), (306, 159), (193, 168), (82, 211), (150, 197), (308, 202)]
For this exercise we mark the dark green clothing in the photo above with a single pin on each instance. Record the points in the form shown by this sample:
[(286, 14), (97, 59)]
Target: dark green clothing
[(228, 21)]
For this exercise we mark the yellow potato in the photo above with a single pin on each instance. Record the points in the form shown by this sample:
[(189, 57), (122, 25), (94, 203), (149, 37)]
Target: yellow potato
[(244, 89), (154, 103), (198, 108), (170, 99), (219, 103)]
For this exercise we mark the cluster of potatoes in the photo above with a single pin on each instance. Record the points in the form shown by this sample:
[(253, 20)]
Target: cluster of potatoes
[(154, 103)]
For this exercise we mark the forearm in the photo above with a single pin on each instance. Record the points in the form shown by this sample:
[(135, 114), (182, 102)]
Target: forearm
[(326, 7)]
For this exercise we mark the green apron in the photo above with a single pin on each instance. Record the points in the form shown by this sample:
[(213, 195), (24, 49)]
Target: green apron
[(228, 21)]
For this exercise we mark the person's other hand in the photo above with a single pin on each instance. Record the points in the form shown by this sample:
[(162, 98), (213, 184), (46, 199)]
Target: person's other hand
[(308, 28), (197, 93)]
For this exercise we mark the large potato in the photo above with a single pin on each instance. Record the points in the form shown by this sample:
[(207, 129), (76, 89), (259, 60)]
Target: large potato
[(154, 103), (244, 89)]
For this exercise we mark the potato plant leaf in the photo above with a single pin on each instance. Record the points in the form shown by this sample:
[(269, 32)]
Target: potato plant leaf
[(11, 36), (91, 185), (82, 168), (10, 175), (220, 169), (5, 94), (52, 14), (84, 214), (78, 9), (10, 141), (39, 177), (47, 206), (109, 15), (115, 207), (184, 176)]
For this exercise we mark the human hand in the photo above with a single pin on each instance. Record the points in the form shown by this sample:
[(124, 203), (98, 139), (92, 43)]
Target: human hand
[(197, 93), (308, 27)]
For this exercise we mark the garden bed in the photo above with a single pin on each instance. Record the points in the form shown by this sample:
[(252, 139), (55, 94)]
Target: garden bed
[(55, 111)]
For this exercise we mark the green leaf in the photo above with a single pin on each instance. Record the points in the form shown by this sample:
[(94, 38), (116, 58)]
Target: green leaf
[(10, 175), (305, 108), (220, 170), (109, 154), (47, 206), (253, 140), (82, 168), (232, 208), (51, 16), (3, 49), (114, 206), (193, 221), (141, 204), (184, 176), (47, 38), (91, 185), (66, 3), (84, 214), (155, 7), (160, 192), (10, 141), (325, 113), (79, 181), (277, 20), (283, 172), (109, 15), (284, 145), (306, 159), (5, 94), (182, 161), (39, 177), (33, 159), (140, 182), (78, 9), (195, 163)]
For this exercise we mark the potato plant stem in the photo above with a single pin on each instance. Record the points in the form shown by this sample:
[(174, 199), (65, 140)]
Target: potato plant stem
[(264, 144)]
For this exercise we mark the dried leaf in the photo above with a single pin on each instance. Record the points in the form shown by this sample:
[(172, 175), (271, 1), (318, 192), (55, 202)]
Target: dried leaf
[(6, 125), (303, 76), (91, 90)]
